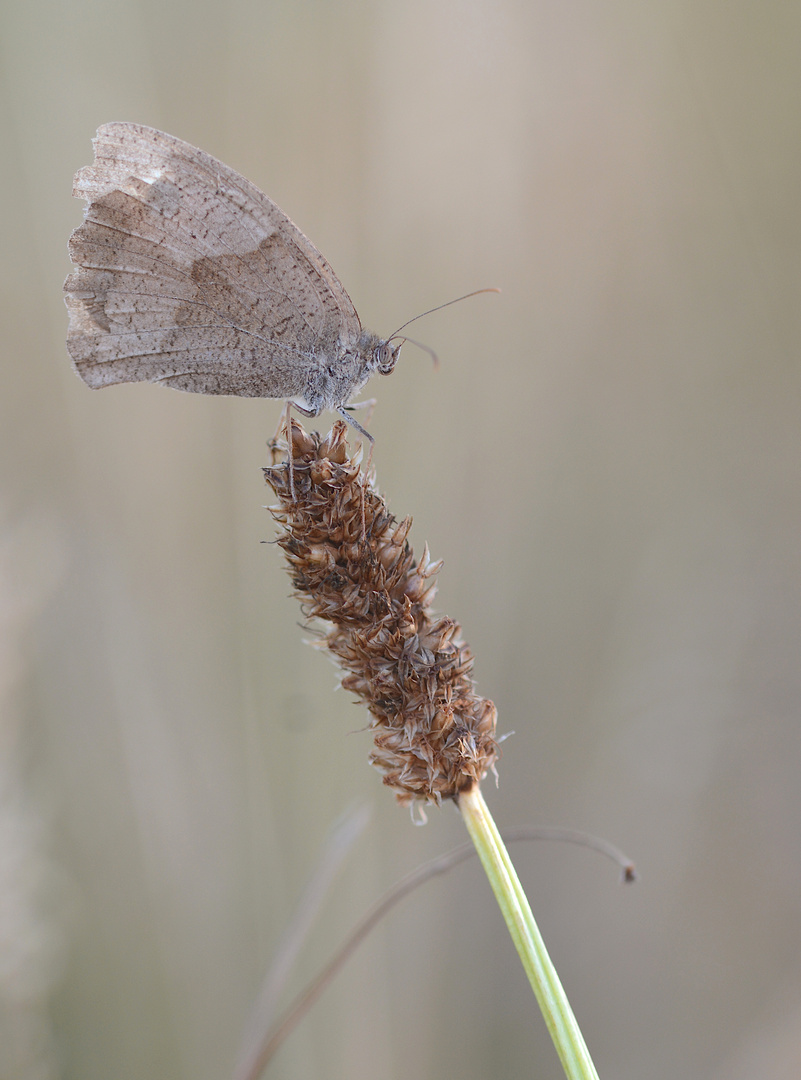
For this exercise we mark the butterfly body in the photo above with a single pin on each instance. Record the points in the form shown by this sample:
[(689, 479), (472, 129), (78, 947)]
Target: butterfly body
[(189, 276)]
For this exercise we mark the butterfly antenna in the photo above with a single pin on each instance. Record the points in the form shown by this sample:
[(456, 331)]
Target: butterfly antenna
[(439, 307), (420, 345)]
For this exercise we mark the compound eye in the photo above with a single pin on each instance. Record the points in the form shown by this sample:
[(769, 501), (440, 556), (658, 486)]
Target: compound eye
[(385, 357)]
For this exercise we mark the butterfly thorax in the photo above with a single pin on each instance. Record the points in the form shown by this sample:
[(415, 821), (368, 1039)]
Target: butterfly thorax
[(342, 371)]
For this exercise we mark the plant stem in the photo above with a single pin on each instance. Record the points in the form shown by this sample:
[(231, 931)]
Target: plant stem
[(555, 1008)]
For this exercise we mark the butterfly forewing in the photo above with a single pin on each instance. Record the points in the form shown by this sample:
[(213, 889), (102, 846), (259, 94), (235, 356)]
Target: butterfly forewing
[(187, 274)]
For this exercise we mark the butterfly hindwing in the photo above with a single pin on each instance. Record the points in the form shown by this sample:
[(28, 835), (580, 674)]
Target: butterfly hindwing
[(187, 274)]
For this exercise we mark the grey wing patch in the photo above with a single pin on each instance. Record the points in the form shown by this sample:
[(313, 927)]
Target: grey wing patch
[(187, 275)]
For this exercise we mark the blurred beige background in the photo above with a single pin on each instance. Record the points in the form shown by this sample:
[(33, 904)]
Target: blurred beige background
[(607, 459)]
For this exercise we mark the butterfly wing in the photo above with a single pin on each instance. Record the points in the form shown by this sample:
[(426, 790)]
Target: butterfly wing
[(188, 275)]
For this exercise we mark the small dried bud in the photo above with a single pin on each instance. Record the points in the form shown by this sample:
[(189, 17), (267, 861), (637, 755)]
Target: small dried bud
[(351, 565)]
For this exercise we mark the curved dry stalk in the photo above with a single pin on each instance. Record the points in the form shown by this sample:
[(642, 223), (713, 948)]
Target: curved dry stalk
[(273, 1037)]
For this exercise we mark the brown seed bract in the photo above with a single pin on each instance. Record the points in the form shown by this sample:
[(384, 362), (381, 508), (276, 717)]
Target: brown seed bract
[(434, 736)]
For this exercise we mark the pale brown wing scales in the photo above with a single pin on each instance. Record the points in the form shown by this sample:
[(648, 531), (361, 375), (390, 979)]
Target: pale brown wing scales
[(188, 275)]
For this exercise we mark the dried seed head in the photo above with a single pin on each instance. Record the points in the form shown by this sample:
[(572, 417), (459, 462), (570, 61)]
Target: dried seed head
[(351, 565)]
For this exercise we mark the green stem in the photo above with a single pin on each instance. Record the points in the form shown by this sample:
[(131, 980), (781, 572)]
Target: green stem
[(561, 1022)]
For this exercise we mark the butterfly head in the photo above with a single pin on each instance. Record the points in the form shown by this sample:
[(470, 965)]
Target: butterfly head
[(385, 356)]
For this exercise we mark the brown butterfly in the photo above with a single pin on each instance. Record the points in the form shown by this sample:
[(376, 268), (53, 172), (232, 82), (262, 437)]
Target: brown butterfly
[(189, 276)]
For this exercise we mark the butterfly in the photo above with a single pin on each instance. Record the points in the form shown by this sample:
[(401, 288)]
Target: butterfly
[(188, 275)]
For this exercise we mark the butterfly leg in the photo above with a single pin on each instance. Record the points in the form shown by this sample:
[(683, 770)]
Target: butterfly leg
[(291, 456), (343, 412), (369, 404)]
